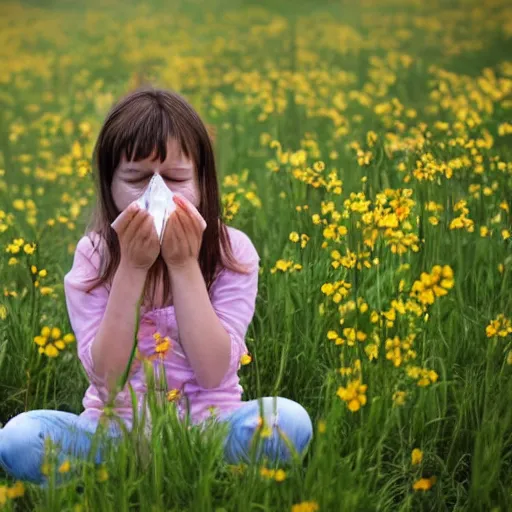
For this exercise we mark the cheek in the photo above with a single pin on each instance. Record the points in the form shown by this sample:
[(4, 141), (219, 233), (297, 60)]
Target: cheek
[(188, 189), (125, 193)]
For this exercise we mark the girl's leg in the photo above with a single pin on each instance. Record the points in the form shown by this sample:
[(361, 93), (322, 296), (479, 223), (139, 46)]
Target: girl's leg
[(282, 420), (23, 438)]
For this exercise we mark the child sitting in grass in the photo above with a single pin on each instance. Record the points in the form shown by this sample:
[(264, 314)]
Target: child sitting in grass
[(196, 293)]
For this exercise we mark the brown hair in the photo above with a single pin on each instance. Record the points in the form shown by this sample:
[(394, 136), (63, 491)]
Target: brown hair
[(138, 125)]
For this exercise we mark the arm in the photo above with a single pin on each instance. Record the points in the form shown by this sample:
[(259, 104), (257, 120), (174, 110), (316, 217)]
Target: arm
[(203, 337), (113, 342), (212, 329), (103, 321)]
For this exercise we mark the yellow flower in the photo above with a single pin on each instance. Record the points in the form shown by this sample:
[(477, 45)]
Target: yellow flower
[(500, 326), (16, 491), (173, 395), (68, 338), (354, 394), (56, 333), (102, 474), (46, 290), (332, 335), (424, 484), (372, 351), (399, 398), (245, 359), (319, 166), (51, 350), (305, 506), (163, 346), (18, 204), (46, 468), (65, 467), (265, 430), (282, 265), (327, 289), (280, 475), (416, 456), (3, 495), (29, 248), (294, 236)]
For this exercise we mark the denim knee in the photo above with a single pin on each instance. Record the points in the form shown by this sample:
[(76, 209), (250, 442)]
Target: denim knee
[(293, 422), (22, 448), (284, 426)]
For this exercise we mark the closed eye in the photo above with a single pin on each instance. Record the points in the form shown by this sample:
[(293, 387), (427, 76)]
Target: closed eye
[(139, 180), (173, 179)]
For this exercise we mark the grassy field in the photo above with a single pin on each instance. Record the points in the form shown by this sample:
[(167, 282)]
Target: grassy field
[(366, 149)]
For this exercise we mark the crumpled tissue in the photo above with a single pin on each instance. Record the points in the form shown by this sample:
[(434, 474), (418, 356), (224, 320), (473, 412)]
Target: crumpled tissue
[(157, 199)]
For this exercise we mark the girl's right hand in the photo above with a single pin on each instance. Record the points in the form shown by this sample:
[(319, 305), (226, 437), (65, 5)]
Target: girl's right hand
[(137, 238)]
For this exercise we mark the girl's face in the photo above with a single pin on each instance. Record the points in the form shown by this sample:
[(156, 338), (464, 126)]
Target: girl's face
[(131, 178)]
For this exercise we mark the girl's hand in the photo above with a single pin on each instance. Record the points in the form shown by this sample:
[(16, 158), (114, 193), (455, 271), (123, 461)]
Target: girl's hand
[(183, 234), (137, 238)]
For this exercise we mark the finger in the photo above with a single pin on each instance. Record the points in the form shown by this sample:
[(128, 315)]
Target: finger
[(147, 229), (193, 223), (136, 223), (177, 229), (189, 222), (189, 228), (179, 198), (124, 218)]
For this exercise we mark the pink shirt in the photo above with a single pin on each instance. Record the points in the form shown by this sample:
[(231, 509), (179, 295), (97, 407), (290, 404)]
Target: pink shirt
[(233, 297)]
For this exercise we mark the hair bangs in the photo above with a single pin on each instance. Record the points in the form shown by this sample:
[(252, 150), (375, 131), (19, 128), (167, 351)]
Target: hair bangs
[(147, 135)]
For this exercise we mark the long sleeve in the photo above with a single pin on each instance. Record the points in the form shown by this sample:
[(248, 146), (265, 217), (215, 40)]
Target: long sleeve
[(233, 297), (85, 308)]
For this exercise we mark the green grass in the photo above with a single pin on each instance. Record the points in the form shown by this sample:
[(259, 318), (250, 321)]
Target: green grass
[(292, 73)]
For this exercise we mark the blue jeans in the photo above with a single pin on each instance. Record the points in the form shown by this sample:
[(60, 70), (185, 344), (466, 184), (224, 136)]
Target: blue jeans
[(22, 440)]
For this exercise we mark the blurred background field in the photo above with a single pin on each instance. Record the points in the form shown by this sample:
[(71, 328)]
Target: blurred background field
[(366, 149)]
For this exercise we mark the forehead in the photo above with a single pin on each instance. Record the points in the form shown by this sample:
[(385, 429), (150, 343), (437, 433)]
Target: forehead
[(174, 154)]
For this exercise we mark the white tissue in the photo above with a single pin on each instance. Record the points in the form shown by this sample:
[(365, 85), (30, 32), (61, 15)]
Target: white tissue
[(157, 200)]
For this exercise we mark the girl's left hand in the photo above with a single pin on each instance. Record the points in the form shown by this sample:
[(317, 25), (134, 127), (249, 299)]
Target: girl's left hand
[(183, 234)]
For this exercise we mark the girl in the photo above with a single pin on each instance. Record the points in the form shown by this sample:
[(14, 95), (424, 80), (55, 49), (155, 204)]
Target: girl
[(198, 290)]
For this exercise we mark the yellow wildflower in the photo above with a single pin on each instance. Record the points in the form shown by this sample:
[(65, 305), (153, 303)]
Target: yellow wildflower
[(102, 474), (424, 484), (245, 359), (354, 394), (16, 491), (294, 236), (51, 350), (399, 398), (500, 326), (173, 395), (416, 456), (29, 248), (280, 475), (305, 506), (65, 467)]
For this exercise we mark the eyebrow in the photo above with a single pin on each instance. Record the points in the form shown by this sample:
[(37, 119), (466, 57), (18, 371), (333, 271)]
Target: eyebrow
[(146, 170)]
